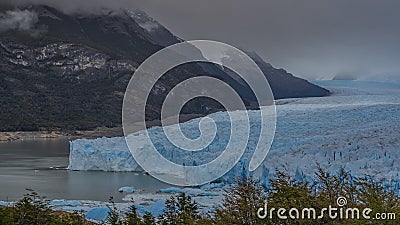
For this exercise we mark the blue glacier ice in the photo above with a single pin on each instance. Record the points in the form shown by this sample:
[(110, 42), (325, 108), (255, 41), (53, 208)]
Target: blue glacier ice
[(98, 214), (356, 128), (127, 189), (156, 209)]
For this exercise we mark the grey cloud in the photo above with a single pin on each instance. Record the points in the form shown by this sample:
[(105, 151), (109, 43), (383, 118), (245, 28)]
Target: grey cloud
[(80, 6), (18, 20), (310, 38)]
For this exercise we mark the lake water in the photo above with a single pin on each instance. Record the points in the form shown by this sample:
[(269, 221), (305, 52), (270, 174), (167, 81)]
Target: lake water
[(40, 165)]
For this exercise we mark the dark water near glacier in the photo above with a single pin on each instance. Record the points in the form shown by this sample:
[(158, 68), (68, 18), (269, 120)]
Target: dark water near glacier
[(40, 165)]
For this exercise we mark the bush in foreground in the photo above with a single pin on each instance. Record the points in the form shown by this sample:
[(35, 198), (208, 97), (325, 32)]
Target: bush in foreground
[(240, 205), (33, 209)]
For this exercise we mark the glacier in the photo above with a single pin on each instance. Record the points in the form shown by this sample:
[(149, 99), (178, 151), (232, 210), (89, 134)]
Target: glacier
[(355, 128)]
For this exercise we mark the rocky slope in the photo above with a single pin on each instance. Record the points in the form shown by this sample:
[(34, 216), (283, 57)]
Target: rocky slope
[(61, 71)]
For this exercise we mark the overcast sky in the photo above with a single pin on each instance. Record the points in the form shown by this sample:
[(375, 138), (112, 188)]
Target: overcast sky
[(310, 38)]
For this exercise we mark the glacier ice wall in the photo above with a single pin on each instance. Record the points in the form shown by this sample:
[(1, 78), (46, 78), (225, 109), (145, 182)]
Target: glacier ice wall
[(356, 128)]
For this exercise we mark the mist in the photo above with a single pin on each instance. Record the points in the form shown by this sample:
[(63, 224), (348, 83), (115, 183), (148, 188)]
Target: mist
[(80, 6), (313, 39), (18, 20)]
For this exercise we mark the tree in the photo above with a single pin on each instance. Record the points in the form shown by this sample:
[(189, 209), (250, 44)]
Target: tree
[(32, 209), (75, 218), (6, 216), (180, 210), (381, 199), (113, 216), (286, 192), (131, 217), (241, 203), (330, 187), (148, 219)]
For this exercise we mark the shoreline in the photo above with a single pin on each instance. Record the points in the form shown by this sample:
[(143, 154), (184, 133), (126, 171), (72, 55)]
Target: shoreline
[(90, 134)]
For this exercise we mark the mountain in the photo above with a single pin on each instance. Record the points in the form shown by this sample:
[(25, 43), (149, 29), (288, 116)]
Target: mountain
[(158, 33), (70, 71), (284, 84)]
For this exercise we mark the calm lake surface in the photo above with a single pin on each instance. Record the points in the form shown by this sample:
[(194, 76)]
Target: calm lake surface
[(40, 164)]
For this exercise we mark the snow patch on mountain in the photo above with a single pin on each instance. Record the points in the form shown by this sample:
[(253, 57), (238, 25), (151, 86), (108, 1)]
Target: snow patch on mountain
[(145, 21), (158, 33)]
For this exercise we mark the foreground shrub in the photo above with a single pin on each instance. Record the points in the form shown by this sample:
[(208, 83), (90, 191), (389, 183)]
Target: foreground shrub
[(241, 203), (180, 210), (33, 209)]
